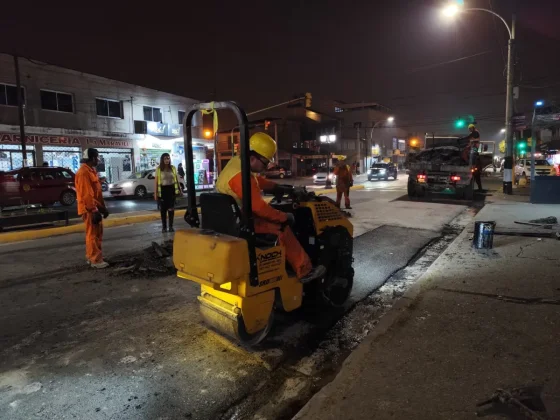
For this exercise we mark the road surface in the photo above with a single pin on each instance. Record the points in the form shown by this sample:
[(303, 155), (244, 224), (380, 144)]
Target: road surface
[(85, 344)]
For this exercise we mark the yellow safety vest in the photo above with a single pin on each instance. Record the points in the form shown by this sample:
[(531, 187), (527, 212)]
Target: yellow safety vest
[(158, 177), (232, 168)]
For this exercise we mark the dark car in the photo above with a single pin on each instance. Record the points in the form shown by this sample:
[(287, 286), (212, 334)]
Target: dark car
[(278, 172), (37, 185), (382, 171)]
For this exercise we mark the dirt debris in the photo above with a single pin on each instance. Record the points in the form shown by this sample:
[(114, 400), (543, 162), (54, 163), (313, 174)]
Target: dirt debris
[(155, 259)]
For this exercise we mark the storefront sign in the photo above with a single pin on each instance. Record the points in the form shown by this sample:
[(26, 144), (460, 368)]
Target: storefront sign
[(85, 142)]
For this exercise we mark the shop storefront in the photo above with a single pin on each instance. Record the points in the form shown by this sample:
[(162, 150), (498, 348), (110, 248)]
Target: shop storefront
[(116, 155), (151, 148), (11, 156)]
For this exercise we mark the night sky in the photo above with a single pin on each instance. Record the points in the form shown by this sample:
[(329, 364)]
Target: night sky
[(261, 52)]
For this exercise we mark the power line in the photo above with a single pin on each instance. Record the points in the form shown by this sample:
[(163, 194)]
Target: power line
[(431, 66)]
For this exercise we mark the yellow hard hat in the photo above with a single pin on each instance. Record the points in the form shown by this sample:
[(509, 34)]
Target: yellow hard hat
[(472, 126), (263, 144)]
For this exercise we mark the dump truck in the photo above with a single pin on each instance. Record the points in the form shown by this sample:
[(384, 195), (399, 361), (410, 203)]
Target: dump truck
[(447, 166)]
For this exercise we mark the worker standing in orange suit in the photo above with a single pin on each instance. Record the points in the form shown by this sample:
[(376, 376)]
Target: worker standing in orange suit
[(267, 218), (344, 181), (91, 207)]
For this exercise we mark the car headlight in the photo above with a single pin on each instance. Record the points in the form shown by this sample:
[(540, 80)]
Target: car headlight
[(314, 176), (112, 185), (127, 184)]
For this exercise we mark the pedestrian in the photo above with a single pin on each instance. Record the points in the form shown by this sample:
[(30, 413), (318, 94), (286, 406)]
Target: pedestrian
[(91, 207), (166, 190), (344, 181), (180, 170)]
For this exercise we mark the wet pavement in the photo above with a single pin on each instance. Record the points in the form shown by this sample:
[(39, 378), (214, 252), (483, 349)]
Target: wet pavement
[(78, 343)]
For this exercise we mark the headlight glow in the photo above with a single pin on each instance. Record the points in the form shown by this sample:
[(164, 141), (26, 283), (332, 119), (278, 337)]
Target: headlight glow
[(111, 185), (314, 176), (127, 184)]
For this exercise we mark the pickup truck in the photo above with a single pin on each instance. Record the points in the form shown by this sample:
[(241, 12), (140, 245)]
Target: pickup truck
[(447, 170)]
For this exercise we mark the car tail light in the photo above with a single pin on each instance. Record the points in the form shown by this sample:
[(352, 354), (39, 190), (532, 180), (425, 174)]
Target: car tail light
[(455, 178), (421, 176)]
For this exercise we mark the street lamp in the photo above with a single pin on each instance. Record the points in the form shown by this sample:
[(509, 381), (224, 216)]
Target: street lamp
[(328, 139), (207, 134), (390, 119), (503, 130), (453, 10)]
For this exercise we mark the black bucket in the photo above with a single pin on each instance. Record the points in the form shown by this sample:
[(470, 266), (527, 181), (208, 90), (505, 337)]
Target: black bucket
[(483, 237)]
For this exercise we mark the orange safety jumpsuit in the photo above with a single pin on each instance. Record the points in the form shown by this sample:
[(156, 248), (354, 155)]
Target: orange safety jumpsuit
[(90, 197), (343, 181), (267, 218)]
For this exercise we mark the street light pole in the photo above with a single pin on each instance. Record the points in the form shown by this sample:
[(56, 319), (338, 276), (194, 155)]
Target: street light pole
[(508, 161), (452, 10)]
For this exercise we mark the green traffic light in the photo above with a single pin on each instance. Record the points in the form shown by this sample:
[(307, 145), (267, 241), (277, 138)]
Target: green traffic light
[(460, 124)]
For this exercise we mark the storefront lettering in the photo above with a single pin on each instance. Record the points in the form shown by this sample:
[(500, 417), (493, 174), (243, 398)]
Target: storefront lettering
[(65, 140)]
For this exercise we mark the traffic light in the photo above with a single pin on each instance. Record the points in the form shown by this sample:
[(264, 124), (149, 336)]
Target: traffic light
[(308, 98), (266, 124), (460, 123), (522, 146)]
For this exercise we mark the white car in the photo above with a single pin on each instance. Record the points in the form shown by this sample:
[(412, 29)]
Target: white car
[(542, 168), (139, 184), (321, 177)]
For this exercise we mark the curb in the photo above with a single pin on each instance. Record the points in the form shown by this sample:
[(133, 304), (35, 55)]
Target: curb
[(29, 235), (399, 310)]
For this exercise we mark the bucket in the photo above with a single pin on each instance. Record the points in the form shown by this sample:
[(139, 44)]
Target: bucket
[(483, 237)]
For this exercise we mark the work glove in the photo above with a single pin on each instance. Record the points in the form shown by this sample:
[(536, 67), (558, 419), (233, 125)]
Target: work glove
[(97, 218), (290, 219), (103, 210)]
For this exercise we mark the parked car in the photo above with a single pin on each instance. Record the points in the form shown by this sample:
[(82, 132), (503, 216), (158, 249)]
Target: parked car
[(321, 176), (278, 172), (139, 184), (382, 170), (37, 185), (542, 168)]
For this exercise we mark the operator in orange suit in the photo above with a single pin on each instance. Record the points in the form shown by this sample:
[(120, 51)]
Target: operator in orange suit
[(267, 218), (91, 207), (344, 181)]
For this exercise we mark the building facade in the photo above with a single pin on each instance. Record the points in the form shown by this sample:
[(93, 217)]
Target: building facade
[(66, 111)]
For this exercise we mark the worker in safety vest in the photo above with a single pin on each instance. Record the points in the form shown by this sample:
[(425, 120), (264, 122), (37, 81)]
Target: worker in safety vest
[(167, 189), (470, 153), (267, 218), (91, 207), (344, 181)]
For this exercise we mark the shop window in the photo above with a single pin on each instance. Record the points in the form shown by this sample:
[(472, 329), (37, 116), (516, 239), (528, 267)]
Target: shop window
[(152, 114), (8, 95), (56, 101), (109, 108), (181, 116)]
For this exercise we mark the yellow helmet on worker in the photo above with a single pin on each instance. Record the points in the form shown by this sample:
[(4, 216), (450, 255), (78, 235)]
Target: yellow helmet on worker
[(472, 126), (263, 144)]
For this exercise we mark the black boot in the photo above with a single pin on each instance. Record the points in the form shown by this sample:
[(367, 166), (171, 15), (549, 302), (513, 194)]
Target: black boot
[(163, 214), (171, 217)]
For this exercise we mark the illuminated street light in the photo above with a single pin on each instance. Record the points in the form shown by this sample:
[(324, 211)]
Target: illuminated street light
[(503, 130), (207, 134), (450, 10), (539, 103), (390, 119)]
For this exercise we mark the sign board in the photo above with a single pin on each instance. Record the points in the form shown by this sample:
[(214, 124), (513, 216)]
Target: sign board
[(85, 142), (518, 121)]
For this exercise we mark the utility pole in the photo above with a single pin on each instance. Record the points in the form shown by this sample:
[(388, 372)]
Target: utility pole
[(20, 112), (358, 147), (276, 139), (508, 161)]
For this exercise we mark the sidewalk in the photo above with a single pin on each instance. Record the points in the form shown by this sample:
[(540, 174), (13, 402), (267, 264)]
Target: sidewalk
[(456, 338)]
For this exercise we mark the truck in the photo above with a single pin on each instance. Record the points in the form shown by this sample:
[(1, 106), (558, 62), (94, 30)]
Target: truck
[(446, 166)]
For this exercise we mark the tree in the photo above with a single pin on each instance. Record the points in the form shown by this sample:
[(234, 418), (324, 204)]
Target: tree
[(502, 146)]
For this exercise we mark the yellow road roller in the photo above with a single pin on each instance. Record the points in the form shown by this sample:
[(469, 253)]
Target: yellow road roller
[(243, 276)]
